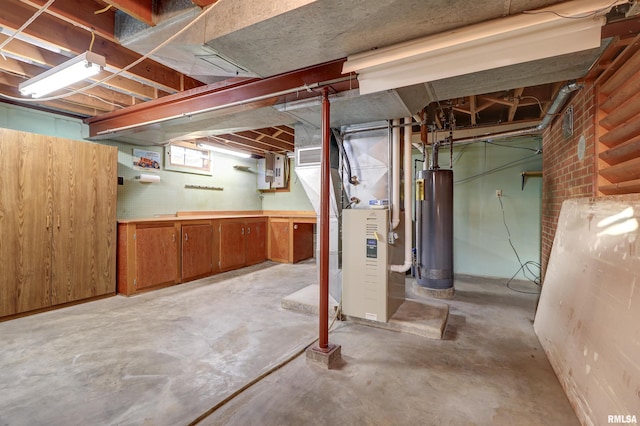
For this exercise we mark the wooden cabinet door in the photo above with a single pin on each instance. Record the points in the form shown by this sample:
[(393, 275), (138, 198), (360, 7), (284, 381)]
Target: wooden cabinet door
[(256, 246), (156, 256), (302, 241), (232, 245), (84, 220), (197, 250), (279, 241), (25, 222)]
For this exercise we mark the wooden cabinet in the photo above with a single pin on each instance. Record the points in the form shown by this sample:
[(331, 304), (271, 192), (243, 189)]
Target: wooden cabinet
[(148, 256), (290, 239), (242, 242), (57, 221), (197, 250), (256, 241), (279, 240), (232, 244)]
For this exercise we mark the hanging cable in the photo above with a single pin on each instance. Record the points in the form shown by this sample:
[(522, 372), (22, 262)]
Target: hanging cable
[(524, 267), (343, 154), (197, 19), (25, 25)]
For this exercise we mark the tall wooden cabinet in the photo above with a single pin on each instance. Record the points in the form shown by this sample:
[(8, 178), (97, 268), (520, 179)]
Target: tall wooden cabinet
[(57, 221)]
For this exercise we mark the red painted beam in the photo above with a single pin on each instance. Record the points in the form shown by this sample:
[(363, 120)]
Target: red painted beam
[(216, 96), (325, 186)]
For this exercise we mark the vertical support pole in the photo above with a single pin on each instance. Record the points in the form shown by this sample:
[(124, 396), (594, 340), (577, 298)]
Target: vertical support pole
[(325, 354), (323, 340)]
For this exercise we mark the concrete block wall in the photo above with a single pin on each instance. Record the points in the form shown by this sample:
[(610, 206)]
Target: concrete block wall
[(568, 171)]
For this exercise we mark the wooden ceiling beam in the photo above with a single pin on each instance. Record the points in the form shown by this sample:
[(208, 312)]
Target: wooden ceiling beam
[(204, 3), (267, 140), (516, 100), (239, 138), (142, 10), (473, 109), (81, 14), (53, 31), (232, 141), (31, 54)]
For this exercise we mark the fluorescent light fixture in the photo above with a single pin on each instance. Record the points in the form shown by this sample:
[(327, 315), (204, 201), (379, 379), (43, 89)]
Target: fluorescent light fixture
[(76, 69), (557, 30), (224, 151)]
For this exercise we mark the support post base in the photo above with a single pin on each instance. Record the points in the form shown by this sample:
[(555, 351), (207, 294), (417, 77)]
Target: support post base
[(329, 358)]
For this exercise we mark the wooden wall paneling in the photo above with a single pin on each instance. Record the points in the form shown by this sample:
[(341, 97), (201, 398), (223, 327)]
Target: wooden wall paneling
[(157, 255), (232, 244), (302, 241), (256, 241), (25, 221), (197, 250), (215, 251), (279, 239), (84, 234)]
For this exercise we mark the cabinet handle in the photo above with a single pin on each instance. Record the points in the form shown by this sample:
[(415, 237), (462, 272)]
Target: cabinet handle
[(186, 236), (173, 237), (48, 221), (58, 220), (242, 230), (248, 230)]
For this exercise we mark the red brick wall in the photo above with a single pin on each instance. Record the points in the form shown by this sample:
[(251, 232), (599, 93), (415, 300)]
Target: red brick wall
[(564, 174)]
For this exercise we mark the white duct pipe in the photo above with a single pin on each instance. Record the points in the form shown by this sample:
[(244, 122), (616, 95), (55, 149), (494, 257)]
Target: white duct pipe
[(395, 166), (408, 261)]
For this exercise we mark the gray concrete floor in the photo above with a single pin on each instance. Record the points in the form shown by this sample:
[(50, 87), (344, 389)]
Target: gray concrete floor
[(168, 356)]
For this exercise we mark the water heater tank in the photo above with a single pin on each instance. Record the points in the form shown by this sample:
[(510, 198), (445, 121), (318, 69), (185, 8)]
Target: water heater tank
[(435, 213)]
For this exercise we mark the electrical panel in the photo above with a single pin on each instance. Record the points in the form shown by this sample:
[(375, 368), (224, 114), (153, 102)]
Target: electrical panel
[(279, 171), (367, 285)]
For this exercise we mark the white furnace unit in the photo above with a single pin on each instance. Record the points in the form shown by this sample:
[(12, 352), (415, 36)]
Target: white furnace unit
[(369, 289)]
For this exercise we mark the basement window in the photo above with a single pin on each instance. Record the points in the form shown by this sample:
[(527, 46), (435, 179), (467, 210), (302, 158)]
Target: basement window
[(186, 157)]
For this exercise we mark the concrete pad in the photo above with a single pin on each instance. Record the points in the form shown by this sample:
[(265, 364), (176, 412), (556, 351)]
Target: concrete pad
[(307, 300), (330, 358), (424, 319)]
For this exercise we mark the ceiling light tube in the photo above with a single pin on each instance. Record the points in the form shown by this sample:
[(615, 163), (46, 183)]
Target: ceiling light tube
[(224, 151), (75, 69), (508, 41)]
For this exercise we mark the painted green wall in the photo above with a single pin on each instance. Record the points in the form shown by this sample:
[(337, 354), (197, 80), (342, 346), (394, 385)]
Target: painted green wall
[(481, 245), (137, 200)]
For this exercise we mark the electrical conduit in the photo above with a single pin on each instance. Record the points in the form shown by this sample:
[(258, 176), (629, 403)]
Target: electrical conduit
[(408, 261)]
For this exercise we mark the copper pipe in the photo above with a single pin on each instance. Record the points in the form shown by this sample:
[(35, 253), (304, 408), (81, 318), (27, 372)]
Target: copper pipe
[(323, 339)]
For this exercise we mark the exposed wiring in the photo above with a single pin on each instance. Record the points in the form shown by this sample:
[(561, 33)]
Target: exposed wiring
[(117, 73), (512, 146), (262, 376), (103, 10), (534, 98), (524, 267), (497, 169), (25, 25), (93, 39), (586, 15)]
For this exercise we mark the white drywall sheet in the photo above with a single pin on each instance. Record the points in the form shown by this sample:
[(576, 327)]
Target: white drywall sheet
[(588, 317)]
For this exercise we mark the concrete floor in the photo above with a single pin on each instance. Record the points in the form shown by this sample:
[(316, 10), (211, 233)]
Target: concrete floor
[(168, 356)]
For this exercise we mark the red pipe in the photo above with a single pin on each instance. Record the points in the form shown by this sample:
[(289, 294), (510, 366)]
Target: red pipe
[(323, 339)]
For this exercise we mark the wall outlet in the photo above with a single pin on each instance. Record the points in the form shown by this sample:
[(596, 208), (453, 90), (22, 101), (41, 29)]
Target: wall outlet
[(498, 192)]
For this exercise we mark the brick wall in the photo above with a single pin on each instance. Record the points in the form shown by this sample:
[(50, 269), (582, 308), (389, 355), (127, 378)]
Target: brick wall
[(564, 174)]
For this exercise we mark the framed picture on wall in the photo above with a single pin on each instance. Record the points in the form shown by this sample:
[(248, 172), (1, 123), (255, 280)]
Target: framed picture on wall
[(146, 160)]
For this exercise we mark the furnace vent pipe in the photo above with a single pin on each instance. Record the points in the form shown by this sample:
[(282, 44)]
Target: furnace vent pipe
[(408, 258), (395, 165)]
